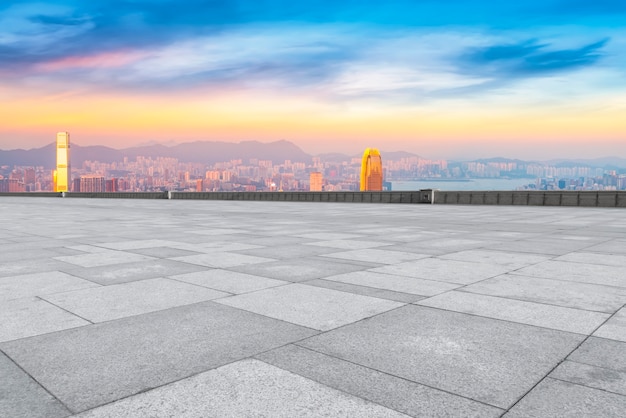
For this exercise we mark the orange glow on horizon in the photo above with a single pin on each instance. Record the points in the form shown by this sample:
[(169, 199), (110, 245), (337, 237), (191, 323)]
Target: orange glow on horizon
[(239, 117)]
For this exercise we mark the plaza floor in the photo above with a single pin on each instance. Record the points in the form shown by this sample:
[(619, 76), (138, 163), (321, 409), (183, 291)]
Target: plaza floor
[(167, 308)]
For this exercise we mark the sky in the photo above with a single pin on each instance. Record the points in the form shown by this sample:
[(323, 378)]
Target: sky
[(459, 79)]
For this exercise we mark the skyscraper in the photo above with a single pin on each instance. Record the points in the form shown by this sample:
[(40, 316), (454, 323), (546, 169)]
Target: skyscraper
[(92, 183), (315, 181), (371, 171), (64, 170)]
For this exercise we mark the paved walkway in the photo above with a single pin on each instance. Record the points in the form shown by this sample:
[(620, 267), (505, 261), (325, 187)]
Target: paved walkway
[(141, 308)]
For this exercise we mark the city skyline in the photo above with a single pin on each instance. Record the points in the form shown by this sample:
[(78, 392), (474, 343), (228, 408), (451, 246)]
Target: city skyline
[(460, 79)]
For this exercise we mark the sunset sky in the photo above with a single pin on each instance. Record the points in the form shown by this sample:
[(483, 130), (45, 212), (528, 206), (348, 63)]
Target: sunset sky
[(444, 79)]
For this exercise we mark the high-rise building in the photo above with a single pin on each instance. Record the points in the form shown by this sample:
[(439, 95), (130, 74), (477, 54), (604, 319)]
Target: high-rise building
[(371, 171), (62, 175), (92, 184), (315, 181)]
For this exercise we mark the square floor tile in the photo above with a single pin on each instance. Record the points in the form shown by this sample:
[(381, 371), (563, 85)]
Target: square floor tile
[(590, 297), (554, 398), (300, 269), (286, 252), (21, 396), (511, 260), (229, 281), (129, 272), (537, 314), (90, 366), (20, 318), (222, 259), (377, 256), (39, 284), (245, 389), (490, 361), (309, 306), (602, 378), (601, 352), (394, 283), (121, 300), (103, 258), (365, 290), (349, 244), (164, 252), (614, 328), (393, 392), (576, 272), (617, 260), (450, 271)]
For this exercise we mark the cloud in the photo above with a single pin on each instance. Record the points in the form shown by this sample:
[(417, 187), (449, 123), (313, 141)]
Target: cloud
[(530, 58)]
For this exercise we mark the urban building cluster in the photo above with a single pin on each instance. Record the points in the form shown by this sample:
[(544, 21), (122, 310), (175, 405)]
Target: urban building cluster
[(370, 172)]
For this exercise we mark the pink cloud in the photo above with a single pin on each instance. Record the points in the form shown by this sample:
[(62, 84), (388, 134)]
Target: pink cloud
[(102, 60)]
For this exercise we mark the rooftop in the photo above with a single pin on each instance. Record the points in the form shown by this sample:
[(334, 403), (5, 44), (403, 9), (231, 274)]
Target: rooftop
[(112, 307)]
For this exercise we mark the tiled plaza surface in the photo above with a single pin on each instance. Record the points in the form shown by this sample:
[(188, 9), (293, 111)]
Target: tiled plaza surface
[(140, 308)]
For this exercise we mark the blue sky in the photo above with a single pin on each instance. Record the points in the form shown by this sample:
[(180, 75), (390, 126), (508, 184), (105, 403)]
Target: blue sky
[(339, 63)]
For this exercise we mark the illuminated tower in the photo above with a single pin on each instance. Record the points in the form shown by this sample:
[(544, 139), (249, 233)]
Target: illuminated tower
[(371, 171), (315, 181), (63, 171)]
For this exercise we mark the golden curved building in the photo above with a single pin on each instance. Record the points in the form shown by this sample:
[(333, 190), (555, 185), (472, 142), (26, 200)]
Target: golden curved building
[(371, 171)]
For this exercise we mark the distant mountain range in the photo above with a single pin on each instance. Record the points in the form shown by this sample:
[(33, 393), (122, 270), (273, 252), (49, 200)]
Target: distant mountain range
[(211, 152), (198, 152)]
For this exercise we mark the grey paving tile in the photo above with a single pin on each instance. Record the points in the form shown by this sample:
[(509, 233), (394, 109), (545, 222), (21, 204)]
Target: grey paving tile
[(550, 246), (541, 315), (590, 297), (216, 231), (88, 248), (483, 359), (376, 256), (591, 376), (394, 283), (121, 300), (217, 246), (555, 398), (136, 244), (450, 271), (617, 246), (103, 258), (164, 252), (89, 366), (229, 281), (9, 255), (512, 260), (248, 388), (310, 306), (617, 260), (124, 273), (300, 269), (349, 244), (286, 252), (22, 397), (327, 236), (576, 272), (399, 394), (601, 352), (21, 267), (270, 241), (440, 246), (614, 328), (365, 291), (39, 284), (20, 318), (222, 259)]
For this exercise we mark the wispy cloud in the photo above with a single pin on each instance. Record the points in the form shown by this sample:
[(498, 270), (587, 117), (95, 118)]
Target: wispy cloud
[(531, 58)]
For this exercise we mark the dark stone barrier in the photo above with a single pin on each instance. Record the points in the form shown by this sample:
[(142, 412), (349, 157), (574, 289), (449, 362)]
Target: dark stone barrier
[(605, 199)]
